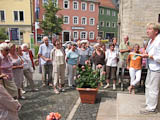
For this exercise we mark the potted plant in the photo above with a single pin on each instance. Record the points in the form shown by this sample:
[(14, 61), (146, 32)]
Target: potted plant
[(87, 82)]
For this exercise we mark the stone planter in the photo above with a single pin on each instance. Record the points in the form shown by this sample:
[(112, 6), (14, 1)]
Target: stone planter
[(88, 95)]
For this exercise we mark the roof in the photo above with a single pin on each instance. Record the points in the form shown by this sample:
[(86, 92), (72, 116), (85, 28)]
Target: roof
[(96, 1), (107, 3)]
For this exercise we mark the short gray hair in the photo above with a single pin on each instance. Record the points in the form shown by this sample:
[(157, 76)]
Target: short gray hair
[(3, 46), (24, 45), (155, 26), (45, 37)]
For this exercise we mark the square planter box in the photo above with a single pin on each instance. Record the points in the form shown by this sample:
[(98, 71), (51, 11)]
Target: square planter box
[(88, 95)]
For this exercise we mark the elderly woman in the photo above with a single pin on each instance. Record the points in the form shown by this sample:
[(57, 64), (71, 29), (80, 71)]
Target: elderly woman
[(17, 69), (28, 69), (84, 54), (98, 58), (153, 76), (6, 68), (58, 60), (72, 61), (8, 106), (111, 65), (134, 64)]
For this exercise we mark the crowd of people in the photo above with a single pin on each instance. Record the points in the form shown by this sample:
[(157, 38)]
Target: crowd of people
[(57, 63)]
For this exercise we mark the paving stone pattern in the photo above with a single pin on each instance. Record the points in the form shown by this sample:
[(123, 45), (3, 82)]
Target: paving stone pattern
[(39, 104), (87, 111)]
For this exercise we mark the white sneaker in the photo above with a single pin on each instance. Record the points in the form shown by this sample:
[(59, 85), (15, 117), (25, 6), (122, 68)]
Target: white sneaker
[(56, 91), (114, 87), (106, 86)]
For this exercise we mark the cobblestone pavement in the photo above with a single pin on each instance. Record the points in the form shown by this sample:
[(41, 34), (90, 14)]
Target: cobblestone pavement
[(87, 111), (39, 104)]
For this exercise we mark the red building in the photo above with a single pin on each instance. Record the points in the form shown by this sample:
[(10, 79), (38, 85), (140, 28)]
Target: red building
[(80, 19)]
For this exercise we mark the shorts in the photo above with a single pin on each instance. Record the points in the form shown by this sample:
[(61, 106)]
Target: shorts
[(111, 72)]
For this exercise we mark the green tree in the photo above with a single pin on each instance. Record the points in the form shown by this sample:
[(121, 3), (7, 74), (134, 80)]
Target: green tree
[(51, 24), (3, 34)]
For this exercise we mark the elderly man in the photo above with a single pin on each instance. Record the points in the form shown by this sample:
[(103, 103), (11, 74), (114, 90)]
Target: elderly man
[(152, 85), (44, 53), (124, 50)]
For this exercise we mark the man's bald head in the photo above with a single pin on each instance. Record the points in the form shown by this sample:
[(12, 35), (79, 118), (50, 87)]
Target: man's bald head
[(45, 40)]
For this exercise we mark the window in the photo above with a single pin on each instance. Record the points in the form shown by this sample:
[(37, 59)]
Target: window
[(66, 4), (75, 20), (45, 1), (101, 11), (100, 34), (159, 18), (2, 15), (83, 35), (91, 21), (75, 5), (15, 15), (84, 21), (21, 16), (114, 24), (107, 24), (113, 13), (91, 35), (102, 23), (18, 15), (66, 20), (84, 6), (14, 33), (108, 12), (75, 35), (92, 7)]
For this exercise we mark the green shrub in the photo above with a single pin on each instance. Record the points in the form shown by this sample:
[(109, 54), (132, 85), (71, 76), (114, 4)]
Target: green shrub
[(87, 77), (36, 48)]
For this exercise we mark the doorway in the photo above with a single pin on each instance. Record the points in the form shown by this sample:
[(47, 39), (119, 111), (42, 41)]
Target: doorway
[(65, 36), (109, 36)]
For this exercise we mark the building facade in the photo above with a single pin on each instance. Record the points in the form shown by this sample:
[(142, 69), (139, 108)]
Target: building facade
[(16, 18), (80, 19), (108, 16), (134, 16)]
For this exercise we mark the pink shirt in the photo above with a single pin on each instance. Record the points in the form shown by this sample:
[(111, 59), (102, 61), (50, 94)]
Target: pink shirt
[(6, 66)]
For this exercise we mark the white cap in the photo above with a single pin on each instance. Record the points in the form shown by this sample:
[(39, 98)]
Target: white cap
[(7, 41), (97, 44), (83, 41)]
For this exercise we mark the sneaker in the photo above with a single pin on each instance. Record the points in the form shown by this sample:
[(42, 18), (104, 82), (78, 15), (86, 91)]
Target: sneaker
[(50, 84), (146, 112), (61, 90), (56, 91), (114, 87), (23, 92), (43, 85), (106, 86), (22, 98)]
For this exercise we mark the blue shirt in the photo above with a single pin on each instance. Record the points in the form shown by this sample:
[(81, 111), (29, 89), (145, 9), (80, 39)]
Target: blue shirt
[(72, 57), (45, 51), (83, 56)]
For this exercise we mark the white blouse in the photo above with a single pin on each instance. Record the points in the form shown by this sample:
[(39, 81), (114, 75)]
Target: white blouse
[(111, 58)]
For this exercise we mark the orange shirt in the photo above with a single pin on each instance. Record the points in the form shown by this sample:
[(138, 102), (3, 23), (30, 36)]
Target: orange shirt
[(135, 61)]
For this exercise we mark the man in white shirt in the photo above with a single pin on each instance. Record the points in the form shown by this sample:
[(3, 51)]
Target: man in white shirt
[(44, 53)]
